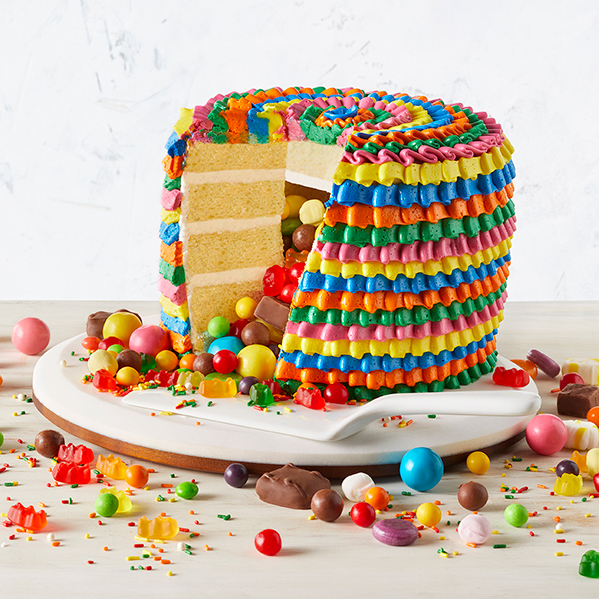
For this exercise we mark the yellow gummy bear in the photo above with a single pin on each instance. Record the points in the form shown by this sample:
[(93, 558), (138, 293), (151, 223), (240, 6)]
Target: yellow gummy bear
[(195, 378), (217, 388), (568, 484), (158, 528), (112, 467), (124, 501)]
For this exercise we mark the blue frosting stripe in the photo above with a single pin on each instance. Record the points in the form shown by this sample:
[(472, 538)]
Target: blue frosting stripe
[(315, 281), (175, 146), (172, 323), (169, 233), (404, 195), (386, 363)]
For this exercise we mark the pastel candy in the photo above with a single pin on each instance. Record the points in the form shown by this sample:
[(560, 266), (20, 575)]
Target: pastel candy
[(354, 487), (587, 368), (395, 531), (581, 435)]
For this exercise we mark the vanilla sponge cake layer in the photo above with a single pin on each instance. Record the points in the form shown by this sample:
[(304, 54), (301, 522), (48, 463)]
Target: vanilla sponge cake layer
[(216, 157)]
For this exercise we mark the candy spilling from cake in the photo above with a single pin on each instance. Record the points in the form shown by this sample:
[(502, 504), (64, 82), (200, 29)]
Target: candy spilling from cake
[(404, 285)]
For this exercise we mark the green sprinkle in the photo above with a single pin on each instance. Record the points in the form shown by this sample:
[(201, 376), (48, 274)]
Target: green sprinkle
[(192, 535), (406, 493), (441, 550), (448, 523), (187, 551), (9, 484), (132, 568), (28, 400), (172, 476), (30, 448), (209, 404), (584, 499), (499, 546), (390, 506), (70, 501), (23, 412), (515, 459), (160, 498), (74, 486), (224, 516), (509, 496), (431, 416), (73, 353)]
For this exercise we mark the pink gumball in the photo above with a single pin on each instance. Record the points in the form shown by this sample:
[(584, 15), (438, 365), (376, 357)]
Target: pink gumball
[(30, 336), (149, 339), (546, 434)]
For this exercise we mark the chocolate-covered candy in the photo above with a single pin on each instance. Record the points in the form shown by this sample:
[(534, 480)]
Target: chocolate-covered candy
[(472, 496), (47, 443), (303, 237), (203, 364), (129, 357), (245, 384), (290, 487), (255, 333), (327, 505), (95, 324), (576, 400)]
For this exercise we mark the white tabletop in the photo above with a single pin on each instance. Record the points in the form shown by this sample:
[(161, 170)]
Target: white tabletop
[(339, 557)]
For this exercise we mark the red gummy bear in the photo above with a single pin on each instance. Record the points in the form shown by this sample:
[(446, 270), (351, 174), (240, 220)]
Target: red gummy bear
[(311, 398), (512, 377), (27, 517), (77, 455), (274, 280), (104, 381), (72, 474)]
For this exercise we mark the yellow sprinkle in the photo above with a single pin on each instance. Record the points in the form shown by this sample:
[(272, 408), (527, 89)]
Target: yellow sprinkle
[(165, 413), (456, 553), (559, 553), (287, 409), (311, 517), (131, 558), (441, 538), (528, 526), (443, 554), (86, 535), (571, 500), (552, 469), (504, 474), (494, 532), (146, 488), (14, 414), (391, 498), (172, 500), (30, 538), (169, 573), (559, 507), (587, 515), (4, 515)]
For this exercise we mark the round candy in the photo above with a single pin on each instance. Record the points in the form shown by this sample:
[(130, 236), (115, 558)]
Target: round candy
[(218, 327), (312, 212), (131, 358), (354, 487), (303, 237), (47, 443), (516, 515), (102, 360), (475, 529), (229, 342), (593, 461), (236, 475), (245, 384), (362, 514), (335, 393), (30, 336), (327, 505), (428, 514), (167, 360), (115, 349), (127, 376), (596, 482), (478, 462), (473, 496), (421, 469), (121, 325), (186, 361), (108, 342), (90, 343), (543, 362), (295, 203), (593, 415), (149, 339), (106, 505), (137, 476), (245, 307), (1, 439), (546, 434), (377, 497), (286, 210), (570, 377), (224, 361), (203, 363), (256, 360), (268, 542), (187, 490), (255, 333), (237, 327), (395, 531), (275, 349), (567, 467)]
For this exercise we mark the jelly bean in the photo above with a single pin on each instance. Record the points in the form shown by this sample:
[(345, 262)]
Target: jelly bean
[(102, 360), (570, 377), (355, 486), (261, 395), (79, 454), (295, 203), (362, 514), (159, 528), (593, 415), (246, 384), (512, 377), (229, 342), (215, 388), (421, 469), (237, 327), (377, 497), (287, 292), (274, 280), (268, 542), (478, 462), (218, 327), (528, 366), (245, 307), (186, 361), (72, 474), (149, 339), (187, 490), (256, 360), (312, 212), (137, 476), (27, 517), (289, 225), (167, 360), (90, 343), (106, 505), (104, 381), (30, 336), (336, 393), (475, 529), (589, 564), (395, 532), (236, 475), (112, 467), (108, 342), (310, 398), (127, 376), (428, 514), (123, 502), (543, 362), (546, 434), (121, 325), (568, 484), (224, 361), (567, 467), (516, 515)]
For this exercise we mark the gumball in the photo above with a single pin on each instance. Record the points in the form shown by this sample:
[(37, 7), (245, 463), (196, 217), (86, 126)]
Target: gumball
[(421, 469), (478, 462), (224, 361), (127, 376), (245, 384), (335, 393), (237, 327), (296, 271), (115, 349), (546, 434), (30, 336), (377, 497), (203, 363), (187, 490), (90, 343), (428, 514), (102, 360), (567, 467), (362, 514), (475, 529), (106, 505), (516, 515), (570, 377), (186, 361), (593, 415), (236, 475), (218, 327), (137, 476), (121, 325), (108, 342), (473, 496), (229, 342), (287, 292), (167, 360), (268, 542), (255, 333), (244, 308), (149, 339), (256, 360), (1, 439)]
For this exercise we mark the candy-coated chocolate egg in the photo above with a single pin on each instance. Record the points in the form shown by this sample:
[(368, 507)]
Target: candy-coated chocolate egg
[(237, 327), (167, 360), (137, 476), (327, 505), (127, 376), (428, 514), (47, 443), (303, 237), (218, 327), (187, 360), (115, 349), (204, 363), (30, 336), (421, 469), (255, 332), (102, 360), (473, 496), (546, 434), (229, 342), (593, 415), (567, 467), (245, 384), (256, 360), (187, 490), (149, 339), (129, 357), (478, 462), (121, 325), (108, 342), (335, 393), (377, 497), (516, 515)]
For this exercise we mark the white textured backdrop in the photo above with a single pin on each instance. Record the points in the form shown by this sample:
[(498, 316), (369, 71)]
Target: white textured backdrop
[(89, 92)]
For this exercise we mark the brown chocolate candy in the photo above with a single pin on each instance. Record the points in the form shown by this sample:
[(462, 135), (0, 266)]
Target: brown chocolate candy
[(576, 400), (203, 364), (303, 237), (327, 505), (95, 324), (273, 312), (47, 443), (291, 487), (473, 496), (255, 333), (129, 357), (287, 243)]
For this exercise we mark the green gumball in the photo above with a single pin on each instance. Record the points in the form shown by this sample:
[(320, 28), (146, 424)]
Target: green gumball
[(187, 490), (106, 505)]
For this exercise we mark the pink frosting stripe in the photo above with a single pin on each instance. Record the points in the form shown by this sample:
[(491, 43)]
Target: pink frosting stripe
[(419, 251), (171, 200), (330, 332), (177, 295)]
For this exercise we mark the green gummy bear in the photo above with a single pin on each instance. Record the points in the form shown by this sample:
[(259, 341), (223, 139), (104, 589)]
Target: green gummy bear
[(261, 395), (589, 564)]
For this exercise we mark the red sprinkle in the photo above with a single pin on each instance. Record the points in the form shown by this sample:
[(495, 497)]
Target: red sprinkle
[(532, 534), (2, 469), (560, 540), (11, 538), (90, 561), (130, 523), (522, 489), (184, 529), (138, 545)]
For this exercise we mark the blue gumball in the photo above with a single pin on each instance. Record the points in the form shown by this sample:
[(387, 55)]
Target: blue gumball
[(231, 343), (421, 469)]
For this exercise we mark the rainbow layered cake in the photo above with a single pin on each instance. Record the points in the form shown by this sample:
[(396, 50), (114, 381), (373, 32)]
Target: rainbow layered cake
[(405, 284)]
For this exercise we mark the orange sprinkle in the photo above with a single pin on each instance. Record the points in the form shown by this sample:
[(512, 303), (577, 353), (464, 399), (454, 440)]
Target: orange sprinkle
[(191, 512), (151, 470), (104, 548), (448, 513), (55, 543), (230, 534), (157, 558), (471, 545), (198, 423), (153, 546), (163, 514), (437, 502), (152, 413), (475, 512), (166, 486), (165, 561), (541, 487), (557, 519), (92, 515), (160, 550), (41, 504), (11, 450), (578, 543), (206, 548), (409, 422)]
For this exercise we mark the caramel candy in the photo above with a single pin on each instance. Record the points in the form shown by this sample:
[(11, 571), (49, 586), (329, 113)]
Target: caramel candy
[(576, 400)]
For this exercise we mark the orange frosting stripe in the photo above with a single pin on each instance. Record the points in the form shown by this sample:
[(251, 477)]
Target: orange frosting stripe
[(180, 343), (173, 254), (173, 166)]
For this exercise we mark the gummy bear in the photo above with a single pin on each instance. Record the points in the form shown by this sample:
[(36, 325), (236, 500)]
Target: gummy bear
[(512, 377), (104, 381), (292, 257), (261, 395), (589, 564), (216, 388), (27, 517), (72, 474), (568, 484), (194, 378), (158, 528), (274, 280), (78, 455), (310, 397), (112, 466)]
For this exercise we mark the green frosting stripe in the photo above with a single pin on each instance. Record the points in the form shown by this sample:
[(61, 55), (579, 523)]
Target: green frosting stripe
[(471, 226), (174, 274), (401, 317)]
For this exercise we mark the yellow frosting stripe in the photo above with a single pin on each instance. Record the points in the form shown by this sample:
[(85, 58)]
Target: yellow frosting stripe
[(184, 122), (392, 270), (170, 216), (173, 310), (390, 173), (394, 347)]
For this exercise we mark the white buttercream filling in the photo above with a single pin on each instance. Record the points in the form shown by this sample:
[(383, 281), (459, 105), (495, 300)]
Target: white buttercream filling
[(218, 225)]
